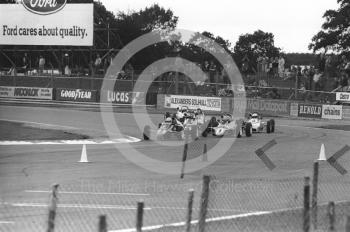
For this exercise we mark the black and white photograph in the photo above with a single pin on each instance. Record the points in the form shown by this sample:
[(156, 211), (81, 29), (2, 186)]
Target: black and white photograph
[(174, 116)]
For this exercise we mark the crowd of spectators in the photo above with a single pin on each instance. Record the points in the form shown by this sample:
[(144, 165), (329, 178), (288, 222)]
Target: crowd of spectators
[(274, 66), (41, 65)]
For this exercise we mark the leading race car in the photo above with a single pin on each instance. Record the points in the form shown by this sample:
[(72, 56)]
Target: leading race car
[(227, 126), (258, 125), (170, 128), (185, 123)]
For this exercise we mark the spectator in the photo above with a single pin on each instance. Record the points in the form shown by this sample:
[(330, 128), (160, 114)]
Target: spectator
[(264, 64), (67, 70), (328, 66), (98, 63), (310, 76), (281, 63), (41, 64), (245, 65), (317, 80), (25, 61), (270, 66), (321, 63), (275, 67)]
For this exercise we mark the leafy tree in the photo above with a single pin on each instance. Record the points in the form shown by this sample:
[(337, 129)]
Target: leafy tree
[(335, 33), (133, 24), (193, 52), (254, 45)]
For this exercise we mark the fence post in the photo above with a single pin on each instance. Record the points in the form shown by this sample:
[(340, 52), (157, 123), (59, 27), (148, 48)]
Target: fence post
[(205, 155), (184, 158), (102, 225), (347, 227), (331, 215), (314, 195), (203, 204), (189, 210), (306, 216), (52, 209), (139, 216)]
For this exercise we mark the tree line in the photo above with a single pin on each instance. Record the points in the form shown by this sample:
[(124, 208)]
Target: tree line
[(124, 27)]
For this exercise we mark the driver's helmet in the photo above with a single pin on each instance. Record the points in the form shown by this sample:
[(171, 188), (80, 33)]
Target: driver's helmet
[(184, 109), (254, 115), (226, 118), (168, 120), (167, 115)]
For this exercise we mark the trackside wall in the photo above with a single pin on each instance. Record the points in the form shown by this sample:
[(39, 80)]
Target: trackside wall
[(266, 107)]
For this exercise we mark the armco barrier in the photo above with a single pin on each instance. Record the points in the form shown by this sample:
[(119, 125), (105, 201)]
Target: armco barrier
[(26, 92), (269, 107), (76, 95), (263, 106), (209, 104)]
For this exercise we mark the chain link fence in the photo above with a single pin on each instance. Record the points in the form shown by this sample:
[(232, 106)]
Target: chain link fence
[(214, 204)]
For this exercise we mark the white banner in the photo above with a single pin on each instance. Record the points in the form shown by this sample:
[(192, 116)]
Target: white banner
[(193, 102), (332, 111), (70, 26), (26, 92), (344, 97)]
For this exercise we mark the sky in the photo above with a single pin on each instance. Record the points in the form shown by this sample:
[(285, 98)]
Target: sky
[(293, 22)]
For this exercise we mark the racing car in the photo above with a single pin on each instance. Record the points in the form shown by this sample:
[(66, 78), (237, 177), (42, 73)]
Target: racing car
[(170, 128), (183, 123), (227, 126), (258, 125)]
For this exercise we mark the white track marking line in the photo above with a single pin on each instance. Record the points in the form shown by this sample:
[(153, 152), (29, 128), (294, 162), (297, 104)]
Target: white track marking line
[(89, 193), (129, 139), (82, 206), (69, 142), (40, 123), (7, 222), (178, 224), (315, 128), (224, 218)]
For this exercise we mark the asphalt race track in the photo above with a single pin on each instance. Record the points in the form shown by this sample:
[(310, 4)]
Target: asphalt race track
[(110, 184)]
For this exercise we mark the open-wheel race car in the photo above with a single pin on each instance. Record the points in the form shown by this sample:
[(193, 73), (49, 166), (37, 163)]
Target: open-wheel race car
[(185, 123), (227, 126), (259, 125)]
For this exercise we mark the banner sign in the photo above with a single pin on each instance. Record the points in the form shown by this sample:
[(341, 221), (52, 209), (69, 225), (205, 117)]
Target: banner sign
[(122, 97), (77, 95), (343, 96), (26, 92), (7, 92), (37, 22), (332, 111), (294, 109), (309, 110), (119, 97), (193, 102), (268, 106)]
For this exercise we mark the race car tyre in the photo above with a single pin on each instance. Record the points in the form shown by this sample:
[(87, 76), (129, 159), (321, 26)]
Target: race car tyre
[(268, 127), (240, 132), (205, 134), (248, 130), (146, 133), (272, 125)]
